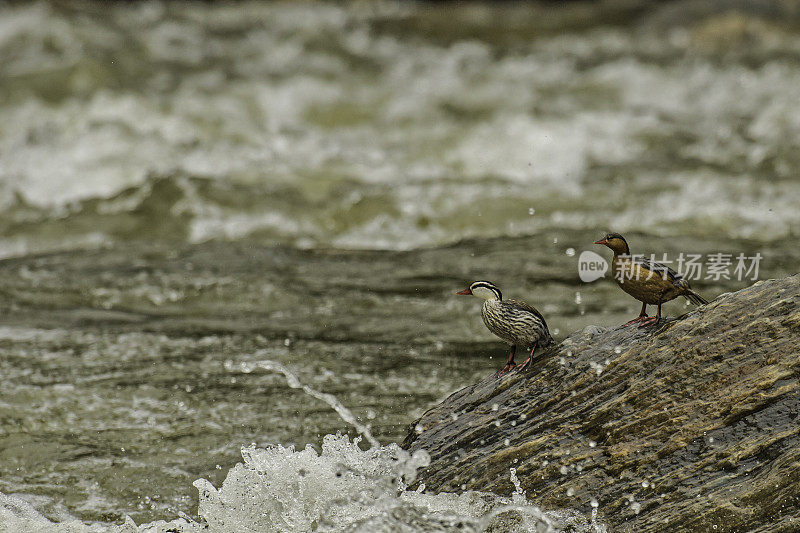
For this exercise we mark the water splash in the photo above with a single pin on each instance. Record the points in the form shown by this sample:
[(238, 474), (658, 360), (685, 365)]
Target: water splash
[(339, 488)]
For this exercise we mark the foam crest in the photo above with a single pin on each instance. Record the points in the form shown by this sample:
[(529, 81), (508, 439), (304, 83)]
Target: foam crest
[(345, 488), (341, 488)]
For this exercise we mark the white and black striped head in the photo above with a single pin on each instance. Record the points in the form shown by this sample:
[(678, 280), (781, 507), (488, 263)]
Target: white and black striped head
[(483, 289), (616, 242)]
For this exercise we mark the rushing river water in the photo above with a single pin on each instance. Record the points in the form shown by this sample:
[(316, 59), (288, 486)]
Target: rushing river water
[(190, 188)]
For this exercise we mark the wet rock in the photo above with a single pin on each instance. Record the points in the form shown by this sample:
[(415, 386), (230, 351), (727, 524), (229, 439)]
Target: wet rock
[(693, 426)]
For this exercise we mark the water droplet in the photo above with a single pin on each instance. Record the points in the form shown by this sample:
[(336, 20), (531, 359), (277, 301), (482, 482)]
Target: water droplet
[(506, 442), (570, 491), (495, 407), (531, 210), (570, 252), (563, 470), (497, 423), (556, 331), (711, 440), (617, 349), (645, 484), (453, 417), (523, 416), (578, 297), (419, 428), (592, 444), (636, 506), (562, 361), (545, 462), (555, 240), (421, 458), (594, 503)]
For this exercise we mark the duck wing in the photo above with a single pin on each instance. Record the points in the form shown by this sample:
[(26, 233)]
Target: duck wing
[(658, 268), (529, 308)]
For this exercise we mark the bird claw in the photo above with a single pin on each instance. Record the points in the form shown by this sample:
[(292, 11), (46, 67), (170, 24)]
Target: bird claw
[(635, 320), (508, 368), (523, 366), (651, 321)]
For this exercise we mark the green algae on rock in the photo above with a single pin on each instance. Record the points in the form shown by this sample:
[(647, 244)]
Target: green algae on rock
[(692, 426)]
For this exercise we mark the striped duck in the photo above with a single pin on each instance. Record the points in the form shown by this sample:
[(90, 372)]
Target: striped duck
[(515, 322)]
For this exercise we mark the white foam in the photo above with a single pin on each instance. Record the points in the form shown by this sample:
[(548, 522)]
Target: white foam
[(426, 132), (339, 488)]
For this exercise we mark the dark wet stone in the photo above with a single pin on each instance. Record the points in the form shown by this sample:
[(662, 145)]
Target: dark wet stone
[(692, 426)]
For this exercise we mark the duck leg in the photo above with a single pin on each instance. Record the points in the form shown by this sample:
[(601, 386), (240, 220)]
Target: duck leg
[(510, 364), (642, 316), (653, 319), (527, 362)]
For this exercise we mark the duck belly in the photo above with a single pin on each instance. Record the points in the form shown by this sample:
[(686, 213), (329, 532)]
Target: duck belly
[(516, 328), (647, 287)]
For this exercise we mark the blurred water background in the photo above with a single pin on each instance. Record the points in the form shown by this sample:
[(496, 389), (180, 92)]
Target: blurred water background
[(185, 185)]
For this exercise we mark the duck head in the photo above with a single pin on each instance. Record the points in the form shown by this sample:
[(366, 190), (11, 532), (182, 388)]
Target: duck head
[(616, 242), (483, 289)]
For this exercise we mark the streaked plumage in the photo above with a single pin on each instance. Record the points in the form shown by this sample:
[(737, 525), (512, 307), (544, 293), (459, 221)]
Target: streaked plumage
[(649, 282), (517, 323)]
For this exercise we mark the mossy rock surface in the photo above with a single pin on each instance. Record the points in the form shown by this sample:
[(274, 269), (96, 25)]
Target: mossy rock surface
[(693, 425)]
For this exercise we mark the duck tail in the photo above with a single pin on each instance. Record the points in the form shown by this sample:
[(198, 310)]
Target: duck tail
[(694, 297), (547, 341)]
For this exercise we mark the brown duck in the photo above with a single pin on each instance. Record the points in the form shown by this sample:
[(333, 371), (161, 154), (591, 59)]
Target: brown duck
[(649, 282)]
